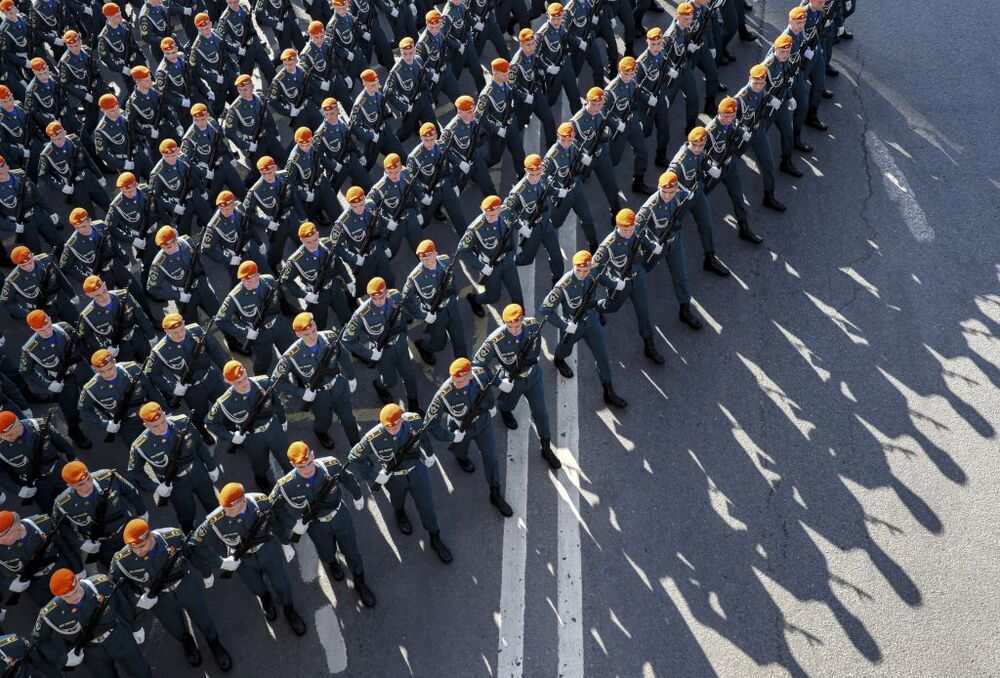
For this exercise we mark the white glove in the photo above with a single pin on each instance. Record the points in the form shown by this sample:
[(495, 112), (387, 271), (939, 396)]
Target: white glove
[(394, 12), (586, 159), (375, 137), (262, 249), (145, 602), (376, 353), (350, 57), (138, 243), (387, 252), (185, 102), (89, 546), (252, 333), (524, 230), (713, 52), (75, 299), (552, 70), (179, 209), (113, 350), (506, 385), (312, 298), (56, 386), (479, 25), (19, 585), (493, 411), (325, 85), (620, 126), (88, 97), (18, 227), (112, 426), (140, 636), (238, 438), (209, 581), (620, 285), (27, 492), (3, 499), (310, 196), (284, 426), (464, 166), (129, 164), (430, 317), (809, 54), (299, 527), (673, 73), (359, 259), (430, 461), (792, 105), (219, 79), (487, 269), (502, 132), (145, 516), (185, 297), (295, 111), (229, 564), (187, 11), (693, 47), (562, 192), (234, 260), (76, 656), (279, 26), (180, 389), (67, 189), (272, 225), (163, 490), (253, 147), (392, 225), (658, 249), (435, 76), (461, 48), (571, 327), (774, 102), (154, 134), (213, 475), (409, 109), (426, 200), (351, 287), (382, 478), (583, 44), (152, 342), (529, 98), (747, 136), (366, 36), (241, 51), (352, 385), (651, 100), (714, 171), (359, 503), (458, 436), (211, 95), (309, 395), (210, 174)]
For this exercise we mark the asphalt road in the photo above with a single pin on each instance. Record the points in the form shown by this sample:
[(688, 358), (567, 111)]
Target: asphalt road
[(805, 488)]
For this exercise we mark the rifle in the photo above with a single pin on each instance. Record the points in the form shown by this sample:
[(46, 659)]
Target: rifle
[(390, 323), (38, 449), (67, 357), (629, 261), (584, 306), (101, 251), (192, 361), (259, 125), (99, 525), (323, 363), (191, 275), (167, 576), (328, 486), (173, 462), (252, 539), (37, 561), (500, 252), (258, 406), (477, 405), (265, 305), (539, 209), (463, 178), (521, 361), (673, 219), (119, 325), (243, 235), (380, 115), (22, 194), (405, 451), (122, 407), (88, 630), (279, 206), (324, 271), (13, 669), (443, 286)]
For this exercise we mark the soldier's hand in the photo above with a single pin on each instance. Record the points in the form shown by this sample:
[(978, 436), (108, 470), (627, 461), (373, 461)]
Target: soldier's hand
[(502, 132), (524, 230), (229, 564), (210, 95), (312, 298), (376, 354), (213, 475), (154, 134), (506, 385), (139, 243), (67, 189), (209, 581), (337, 166), (351, 287), (163, 490), (89, 546), (210, 174), (310, 196), (185, 297), (392, 225), (219, 79), (234, 260), (185, 102), (126, 71), (112, 426), (493, 411), (672, 73), (430, 461), (179, 209), (747, 136), (583, 44), (152, 342), (809, 54), (620, 126), (284, 426), (309, 395), (571, 327), (289, 552), (464, 166), (88, 97), (714, 171), (300, 527), (620, 285), (253, 146), (366, 36), (487, 269), (457, 436), (262, 249), (586, 159), (693, 47), (325, 86), (713, 52), (352, 385), (426, 200), (19, 585), (114, 351), (76, 656), (295, 111), (56, 386), (792, 105), (54, 218), (435, 76), (382, 478), (651, 100), (562, 192), (279, 26), (350, 57), (128, 164), (529, 98), (139, 636), (479, 25), (552, 70), (430, 317), (238, 438), (27, 492), (146, 602), (658, 249), (252, 333), (359, 503), (18, 227)]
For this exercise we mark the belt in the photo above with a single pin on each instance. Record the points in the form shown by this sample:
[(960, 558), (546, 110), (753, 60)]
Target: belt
[(264, 427), (97, 640), (329, 516), (404, 473), (170, 588)]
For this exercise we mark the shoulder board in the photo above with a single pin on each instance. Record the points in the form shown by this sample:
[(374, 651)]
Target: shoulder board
[(412, 416)]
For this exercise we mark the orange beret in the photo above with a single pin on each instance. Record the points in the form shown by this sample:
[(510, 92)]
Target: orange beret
[(7, 419), (6, 522), (425, 246), (306, 229), (490, 202), (302, 135), (110, 9), (797, 13), (459, 366), (355, 194), (668, 180), (298, 452), (566, 129), (265, 162), (368, 75), (125, 179), (316, 27), (390, 414), (595, 94), (727, 105), (501, 65), (139, 72), (391, 161), (465, 103), (512, 312), (172, 321), (77, 216), (685, 8), (53, 128), (101, 357), (555, 9), (62, 581), (758, 71), (625, 217), (432, 17), (201, 19), (654, 33), (168, 43), (199, 109), (233, 371), (582, 258), (38, 63), (5, 92), (533, 161), (92, 283), (20, 255), (302, 321), (230, 494), (6, 5), (70, 37), (150, 411), (328, 104), (288, 53), (375, 285), (697, 134), (526, 35), (135, 531), (74, 472), (783, 40), (246, 269), (37, 319), (406, 43), (225, 198), (243, 79), (427, 129), (168, 146), (165, 235), (627, 64)]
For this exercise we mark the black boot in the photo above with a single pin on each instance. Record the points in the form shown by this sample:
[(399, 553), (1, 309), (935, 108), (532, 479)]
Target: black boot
[(294, 620), (746, 233), (661, 159), (710, 108), (364, 593), (649, 350), (477, 308), (639, 186), (403, 522), (440, 549), (440, 215), (426, 354), (612, 398), (688, 317), (746, 35), (801, 145), (827, 93), (264, 483), (509, 420), (465, 464), (267, 605), (496, 498), (713, 265), (788, 167), (191, 654), (846, 35), (772, 202), (721, 87), (832, 72), (812, 119), (565, 370), (79, 438), (336, 571), (413, 405), (548, 455), (383, 393), (219, 653), (325, 440)]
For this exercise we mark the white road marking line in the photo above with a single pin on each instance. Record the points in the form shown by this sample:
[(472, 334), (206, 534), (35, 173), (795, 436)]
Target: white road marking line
[(899, 189)]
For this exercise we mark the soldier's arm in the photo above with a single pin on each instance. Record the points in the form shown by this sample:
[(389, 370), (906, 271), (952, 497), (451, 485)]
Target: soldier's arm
[(140, 318), (203, 556), (131, 494), (550, 308), (215, 351), (89, 411), (215, 422), (26, 368), (276, 98), (436, 422), (485, 356), (61, 445), (225, 320), (136, 472)]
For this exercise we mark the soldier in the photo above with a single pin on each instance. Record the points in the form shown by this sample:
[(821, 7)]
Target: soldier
[(20, 655), (592, 127), (148, 111), (461, 44), (250, 312), (16, 43), (358, 240), (110, 401), (204, 144), (132, 218), (676, 46), (688, 166), (180, 373), (319, 371), (245, 525), (377, 334), (95, 249), (323, 67), (801, 68), (527, 76), (558, 166), (301, 505), (619, 260), (117, 47), (177, 274), (241, 35), (495, 111), (379, 460), (45, 100), (46, 21), (429, 164), (461, 137), (249, 125), (342, 31), (620, 103), (819, 33), (574, 296), (370, 121), (37, 283), (30, 449), (512, 352), (275, 207), (340, 157), (273, 14), (18, 141), (289, 93), (152, 556), (115, 143), (408, 90), (76, 601), (21, 210), (154, 26), (50, 363), (491, 241), (94, 509), (431, 48), (483, 15), (210, 65), (528, 207), (230, 239), (21, 539), (369, 29), (430, 295), (395, 198), (304, 171), (174, 80), (114, 320), (317, 278), (261, 434), (779, 93), (659, 218), (722, 160), (66, 167), (462, 408), (584, 23), (177, 184), (654, 75), (80, 77), (552, 40), (700, 47)]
